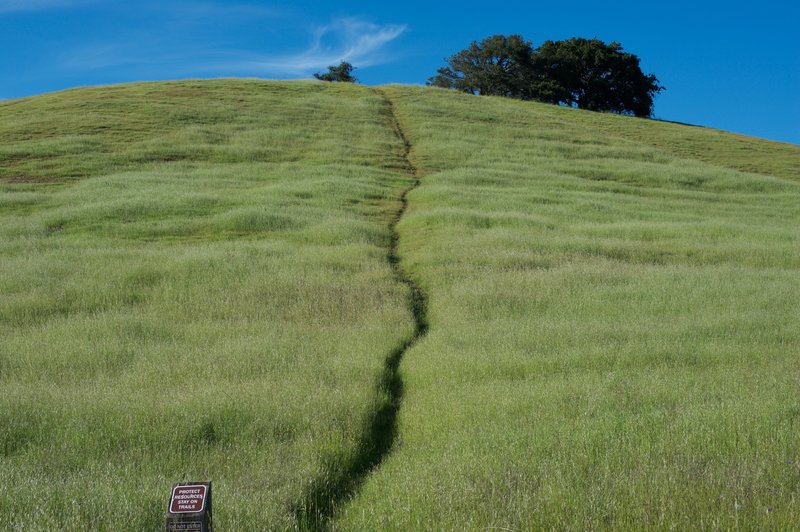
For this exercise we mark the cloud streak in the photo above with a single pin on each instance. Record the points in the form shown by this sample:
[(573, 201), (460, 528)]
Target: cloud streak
[(346, 39), (18, 6), (214, 11), (147, 51)]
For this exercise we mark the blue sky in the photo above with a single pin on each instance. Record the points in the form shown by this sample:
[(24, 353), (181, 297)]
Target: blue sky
[(734, 65)]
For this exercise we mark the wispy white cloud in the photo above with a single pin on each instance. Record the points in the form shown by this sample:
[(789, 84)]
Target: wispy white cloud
[(211, 11), (345, 39), (16, 6), (352, 39), (99, 56), (184, 8)]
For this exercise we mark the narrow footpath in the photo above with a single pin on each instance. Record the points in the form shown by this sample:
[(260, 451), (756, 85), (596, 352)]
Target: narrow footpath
[(326, 497)]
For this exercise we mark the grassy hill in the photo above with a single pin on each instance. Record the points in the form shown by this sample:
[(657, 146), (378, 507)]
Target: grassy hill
[(200, 281)]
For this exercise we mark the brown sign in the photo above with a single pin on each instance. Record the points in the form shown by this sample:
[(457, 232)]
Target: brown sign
[(189, 499), (189, 507)]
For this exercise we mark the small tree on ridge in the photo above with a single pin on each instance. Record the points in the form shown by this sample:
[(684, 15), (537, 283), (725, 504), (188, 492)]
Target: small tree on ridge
[(341, 73)]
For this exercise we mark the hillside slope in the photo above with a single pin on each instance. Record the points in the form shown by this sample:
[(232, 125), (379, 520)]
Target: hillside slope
[(195, 286), (198, 283), (614, 330)]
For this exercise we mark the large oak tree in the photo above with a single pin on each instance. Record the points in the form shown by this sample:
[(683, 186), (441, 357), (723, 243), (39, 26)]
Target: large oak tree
[(584, 73), (590, 74), (498, 65)]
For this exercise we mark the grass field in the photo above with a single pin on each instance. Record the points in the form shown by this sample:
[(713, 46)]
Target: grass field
[(196, 285), (614, 331)]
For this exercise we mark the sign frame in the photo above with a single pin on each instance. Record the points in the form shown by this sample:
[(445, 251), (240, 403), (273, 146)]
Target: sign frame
[(197, 518)]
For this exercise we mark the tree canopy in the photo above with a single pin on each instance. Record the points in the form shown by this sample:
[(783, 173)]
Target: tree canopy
[(343, 72), (577, 72), (498, 66)]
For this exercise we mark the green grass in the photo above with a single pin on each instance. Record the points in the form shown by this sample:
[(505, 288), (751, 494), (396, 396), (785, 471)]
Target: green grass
[(727, 150), (196, 285), (614, 331)]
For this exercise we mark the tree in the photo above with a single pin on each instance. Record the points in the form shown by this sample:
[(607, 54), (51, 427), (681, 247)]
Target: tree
[(498, 65), (593, 75), (584, 73), (343, 73)]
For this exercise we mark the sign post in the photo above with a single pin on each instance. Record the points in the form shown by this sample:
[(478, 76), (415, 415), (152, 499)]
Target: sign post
[(189, 508)]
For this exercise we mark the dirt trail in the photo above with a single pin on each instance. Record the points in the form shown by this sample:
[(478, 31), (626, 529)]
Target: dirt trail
[(326, 497)]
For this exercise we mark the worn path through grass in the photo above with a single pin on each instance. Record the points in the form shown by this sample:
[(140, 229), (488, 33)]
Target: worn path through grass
[(324, 500)]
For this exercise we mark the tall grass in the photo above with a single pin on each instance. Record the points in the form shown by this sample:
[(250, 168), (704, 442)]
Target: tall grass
[(614, 329), (194, 285)]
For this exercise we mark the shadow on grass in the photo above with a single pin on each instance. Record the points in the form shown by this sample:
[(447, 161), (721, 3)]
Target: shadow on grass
[(327, 495)]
